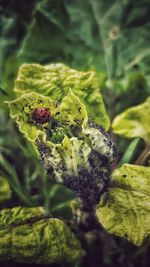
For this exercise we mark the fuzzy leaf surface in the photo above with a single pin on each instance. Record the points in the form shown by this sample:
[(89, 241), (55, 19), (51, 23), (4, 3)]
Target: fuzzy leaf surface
[(29, 235)]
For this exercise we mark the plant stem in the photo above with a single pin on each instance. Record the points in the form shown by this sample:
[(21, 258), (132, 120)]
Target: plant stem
[(142, 159), (94, 239)]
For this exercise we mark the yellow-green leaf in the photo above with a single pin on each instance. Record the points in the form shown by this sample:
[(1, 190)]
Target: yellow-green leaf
[(55, 80), (134, 122), (29, 235), (125, 208)]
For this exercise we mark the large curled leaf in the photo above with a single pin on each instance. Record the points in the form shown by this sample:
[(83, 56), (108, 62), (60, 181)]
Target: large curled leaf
[(55, 80), (125, 209), (5, 191), (30, 235), (134, 122), (73, 150)]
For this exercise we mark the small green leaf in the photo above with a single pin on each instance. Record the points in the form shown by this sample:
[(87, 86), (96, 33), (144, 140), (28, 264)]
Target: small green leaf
[(72, 111), (29, 235), (130, 152), (134, 122), (5, 191), (125, 209), (55, 80)]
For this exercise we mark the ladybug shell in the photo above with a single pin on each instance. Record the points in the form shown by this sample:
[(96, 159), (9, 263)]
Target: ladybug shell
[(41, 115)]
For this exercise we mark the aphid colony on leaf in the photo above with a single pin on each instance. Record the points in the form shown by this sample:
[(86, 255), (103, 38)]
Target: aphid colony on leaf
[(84, 165), (41, 115)]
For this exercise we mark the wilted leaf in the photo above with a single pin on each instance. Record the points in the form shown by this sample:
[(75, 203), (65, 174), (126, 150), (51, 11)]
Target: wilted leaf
[(30, 235), (125, 209), (134, 122), (5, 191), (55, 80)]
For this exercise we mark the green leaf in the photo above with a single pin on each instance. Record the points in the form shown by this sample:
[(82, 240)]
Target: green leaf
[(135, 85), (29, 235), (125, 209), (55, 80), (64, 32), (92, 33), (5, 191), (134, 122)]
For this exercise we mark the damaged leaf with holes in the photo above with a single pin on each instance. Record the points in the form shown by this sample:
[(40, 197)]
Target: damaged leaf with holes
[(76, 152), (125, 208), (29, 235)]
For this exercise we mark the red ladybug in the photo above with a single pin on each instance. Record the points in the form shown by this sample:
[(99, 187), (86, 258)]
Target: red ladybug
[(41, 115)]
